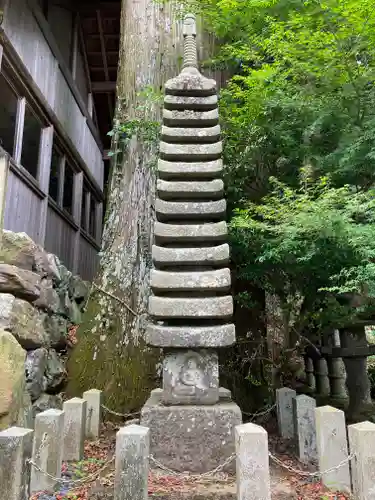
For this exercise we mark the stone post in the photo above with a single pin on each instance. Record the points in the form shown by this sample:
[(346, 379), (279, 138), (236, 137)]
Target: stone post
[(15, 449), (337, 372), (191, 306), (93, 399), (309, 370), (321, 377), (47, 449), (362, 445), (285, 420), (332, 447), (252, 463), (132, 463), (304, 416), (74, 428)]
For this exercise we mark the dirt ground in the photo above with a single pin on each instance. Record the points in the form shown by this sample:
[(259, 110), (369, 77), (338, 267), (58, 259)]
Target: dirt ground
[(96, 473)]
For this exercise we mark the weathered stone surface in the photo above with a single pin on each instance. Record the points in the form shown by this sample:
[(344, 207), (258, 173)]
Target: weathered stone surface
[(190, 82), (191, 438), (74, 428), (362, 445), (193, 152), (190, 377), (198, 189), (15, 451), (190, 233), (196, 135), (190, 102), (204, 308), (252, 463), (48, 300), (332, 448), (56, 328), (190, 170), (78, 290), (189, 118), (224, 394), (55, 373), (285, 420), (197, 210), (12, 379), (218, 280), (203, 256), (190, 336), (18, 249), (304, 414), (132, 463), (93, 398), (23, 321), (47, 450), (35, 367), (19, 282), (46, 402)]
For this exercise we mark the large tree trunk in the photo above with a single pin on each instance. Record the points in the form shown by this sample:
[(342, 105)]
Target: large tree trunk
[(111, 354)]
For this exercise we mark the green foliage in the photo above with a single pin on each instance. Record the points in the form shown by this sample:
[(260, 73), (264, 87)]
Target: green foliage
[(298, 119)]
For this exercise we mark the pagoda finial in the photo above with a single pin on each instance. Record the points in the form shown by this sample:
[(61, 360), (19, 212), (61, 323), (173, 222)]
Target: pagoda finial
[(190, 43)]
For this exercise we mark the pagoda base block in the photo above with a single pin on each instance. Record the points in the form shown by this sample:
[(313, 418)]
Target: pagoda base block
[(196, 438)]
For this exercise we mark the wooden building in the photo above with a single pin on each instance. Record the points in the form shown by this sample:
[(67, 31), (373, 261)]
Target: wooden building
[(57, 95)]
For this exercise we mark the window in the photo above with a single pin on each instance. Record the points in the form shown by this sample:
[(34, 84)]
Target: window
[(68, 189), (83, 206), (92, 218), (31, 142), (54, 178), (8, 115)]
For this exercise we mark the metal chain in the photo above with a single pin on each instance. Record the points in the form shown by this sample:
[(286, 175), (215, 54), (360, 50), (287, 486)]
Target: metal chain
[(310, 474), (210, 473), (117, 414), (60, 480), (260, 413)]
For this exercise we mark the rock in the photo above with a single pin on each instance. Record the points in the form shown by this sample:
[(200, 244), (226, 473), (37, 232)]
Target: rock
[(48, 300), (79, 290), (190, 118), (196, 135), (23, 321), (57, 330), (75, 314), (192, 81), (35, 367), (18, 249), (46, 402), (55, 373), (190, 189), (19, 282), (12, 380)]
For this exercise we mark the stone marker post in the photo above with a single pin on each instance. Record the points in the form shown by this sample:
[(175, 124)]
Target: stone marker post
[(15, 449), (132, 463), (47, 449), (304, 416), (252, 463), (332, 447), (362, 445), (284, 404), (191, 427), (74, 428), (93, 398)]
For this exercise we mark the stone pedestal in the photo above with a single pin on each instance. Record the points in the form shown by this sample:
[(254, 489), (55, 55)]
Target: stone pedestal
[(195, 438)]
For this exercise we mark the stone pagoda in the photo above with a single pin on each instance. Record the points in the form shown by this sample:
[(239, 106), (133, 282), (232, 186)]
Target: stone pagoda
[(191, 419)]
